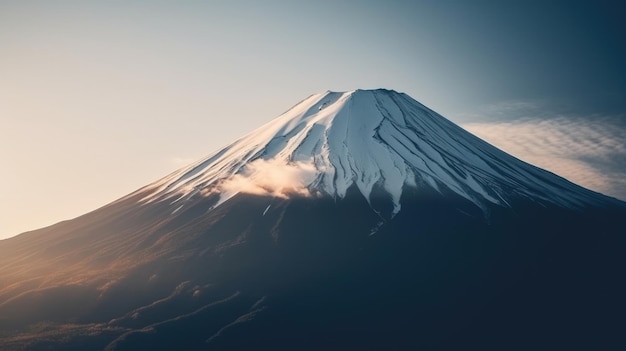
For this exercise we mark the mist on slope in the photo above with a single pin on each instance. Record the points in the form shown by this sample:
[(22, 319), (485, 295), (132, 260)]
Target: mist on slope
[(270, 178)]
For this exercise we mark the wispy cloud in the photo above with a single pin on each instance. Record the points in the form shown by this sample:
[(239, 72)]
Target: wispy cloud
[(271, 177), (590, 151), (507, 110)]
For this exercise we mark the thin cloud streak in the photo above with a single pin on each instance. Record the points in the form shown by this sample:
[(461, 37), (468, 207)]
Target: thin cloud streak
[(587, 151)]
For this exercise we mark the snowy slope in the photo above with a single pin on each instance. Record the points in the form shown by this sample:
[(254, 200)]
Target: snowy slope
[(332, 140)]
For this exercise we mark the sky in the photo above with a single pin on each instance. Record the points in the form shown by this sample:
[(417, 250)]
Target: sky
[(99, 98)]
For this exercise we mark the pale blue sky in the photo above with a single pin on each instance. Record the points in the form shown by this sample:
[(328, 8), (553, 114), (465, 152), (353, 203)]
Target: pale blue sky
[(100, 98)]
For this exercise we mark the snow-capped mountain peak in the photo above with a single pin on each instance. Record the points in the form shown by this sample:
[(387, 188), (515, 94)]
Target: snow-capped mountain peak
[(368, 138)]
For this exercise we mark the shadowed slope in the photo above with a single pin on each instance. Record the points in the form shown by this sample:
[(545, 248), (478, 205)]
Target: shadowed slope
[(305, 274)]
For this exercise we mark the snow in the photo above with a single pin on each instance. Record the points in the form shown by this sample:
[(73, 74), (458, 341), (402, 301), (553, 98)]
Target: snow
[(267, 209), (333, 140)]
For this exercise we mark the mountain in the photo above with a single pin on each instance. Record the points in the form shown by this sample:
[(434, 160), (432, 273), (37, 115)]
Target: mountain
[(333, 140), (355, 220)]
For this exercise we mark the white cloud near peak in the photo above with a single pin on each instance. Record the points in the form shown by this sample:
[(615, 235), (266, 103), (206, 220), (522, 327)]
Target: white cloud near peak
[(273, 178)]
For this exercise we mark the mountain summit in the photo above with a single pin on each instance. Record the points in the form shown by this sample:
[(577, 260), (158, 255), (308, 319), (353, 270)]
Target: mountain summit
[(370, 139), (355, 220)]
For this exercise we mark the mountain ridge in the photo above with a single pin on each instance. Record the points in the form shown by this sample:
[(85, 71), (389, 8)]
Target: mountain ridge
[(331, 140)]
